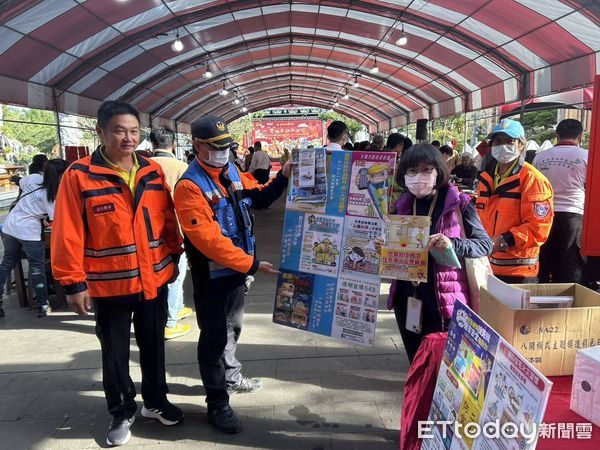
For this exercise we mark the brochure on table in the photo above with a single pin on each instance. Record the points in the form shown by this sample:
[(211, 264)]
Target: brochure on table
[(482, 379), (329, 280)]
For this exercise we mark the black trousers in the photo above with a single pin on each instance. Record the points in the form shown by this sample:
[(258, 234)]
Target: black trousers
[(431, 323), (113, 325), (261, 175), (220, 310), (518, 280), (560, 256)]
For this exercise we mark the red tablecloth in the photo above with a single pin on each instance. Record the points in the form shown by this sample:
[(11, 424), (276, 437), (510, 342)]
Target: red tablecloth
[(420, 385), (558, 412)]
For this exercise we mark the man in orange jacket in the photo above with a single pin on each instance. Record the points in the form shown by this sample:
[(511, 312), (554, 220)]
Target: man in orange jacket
[(115, 243), (213, 200), (514, 201)]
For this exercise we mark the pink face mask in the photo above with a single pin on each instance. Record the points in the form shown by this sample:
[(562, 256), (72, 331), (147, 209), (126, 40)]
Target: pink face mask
[(422, 184)]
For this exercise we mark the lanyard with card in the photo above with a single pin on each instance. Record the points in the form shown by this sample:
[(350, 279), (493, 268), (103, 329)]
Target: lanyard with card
[(414, 306)]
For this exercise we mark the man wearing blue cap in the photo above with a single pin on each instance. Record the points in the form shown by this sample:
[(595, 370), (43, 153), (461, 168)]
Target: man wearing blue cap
[(515, 203)]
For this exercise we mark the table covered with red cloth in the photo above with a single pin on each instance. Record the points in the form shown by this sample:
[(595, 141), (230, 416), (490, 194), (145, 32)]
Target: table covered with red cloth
[(420, 385)]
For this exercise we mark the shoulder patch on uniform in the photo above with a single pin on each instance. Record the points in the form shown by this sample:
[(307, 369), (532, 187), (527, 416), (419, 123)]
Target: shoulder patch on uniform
[(541, 209), (480, 205)]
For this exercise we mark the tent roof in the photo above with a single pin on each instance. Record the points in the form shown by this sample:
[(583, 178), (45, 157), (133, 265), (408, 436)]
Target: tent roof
[(461, 55)]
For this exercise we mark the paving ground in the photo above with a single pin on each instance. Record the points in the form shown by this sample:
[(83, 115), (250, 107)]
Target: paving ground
[(318, 394)]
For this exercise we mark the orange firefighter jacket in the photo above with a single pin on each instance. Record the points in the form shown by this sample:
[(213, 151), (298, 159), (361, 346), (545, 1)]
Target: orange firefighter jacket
[(521, 210), (107, 239)]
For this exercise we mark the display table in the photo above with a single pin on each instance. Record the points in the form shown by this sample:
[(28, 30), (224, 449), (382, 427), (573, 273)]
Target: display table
[(421, 382)]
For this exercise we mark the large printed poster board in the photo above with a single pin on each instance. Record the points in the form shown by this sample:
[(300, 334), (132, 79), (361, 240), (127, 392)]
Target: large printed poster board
[(329, 281), (483, 380)]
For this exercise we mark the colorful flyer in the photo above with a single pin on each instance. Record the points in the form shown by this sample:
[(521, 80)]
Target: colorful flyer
[(404, 255), (371, 179), (329, 281), (484, 386), (306, 167)]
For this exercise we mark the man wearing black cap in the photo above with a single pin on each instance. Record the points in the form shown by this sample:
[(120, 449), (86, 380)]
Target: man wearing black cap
[(337, 133), (213, 200)]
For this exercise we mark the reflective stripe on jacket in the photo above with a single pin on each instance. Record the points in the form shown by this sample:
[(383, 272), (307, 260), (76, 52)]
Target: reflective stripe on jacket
[(109, 241), (232, 214), (521, 210)]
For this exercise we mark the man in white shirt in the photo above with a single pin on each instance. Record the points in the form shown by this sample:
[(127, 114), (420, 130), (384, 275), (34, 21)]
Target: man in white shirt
[(337, 134), (565, 166), (260, 166)]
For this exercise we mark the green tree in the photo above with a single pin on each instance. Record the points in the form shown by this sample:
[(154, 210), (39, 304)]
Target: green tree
[(540, 125), (239, 127), (448, 129), (30, 133), (354, 126)]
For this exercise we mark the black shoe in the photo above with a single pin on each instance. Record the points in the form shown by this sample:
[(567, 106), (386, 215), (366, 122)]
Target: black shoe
[(225, 420), (118, 433), (167, 413), (43, 311), (1, 311)]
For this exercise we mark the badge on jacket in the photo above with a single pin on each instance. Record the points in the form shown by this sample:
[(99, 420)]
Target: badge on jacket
[(541, 209), (103, 209)]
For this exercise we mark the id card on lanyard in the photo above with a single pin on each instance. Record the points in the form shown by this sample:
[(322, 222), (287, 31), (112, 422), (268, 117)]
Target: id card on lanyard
[(414, 306)]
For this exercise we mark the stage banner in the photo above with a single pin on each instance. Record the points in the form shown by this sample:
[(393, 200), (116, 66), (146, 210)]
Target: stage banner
[(329, 280), (487, 396)]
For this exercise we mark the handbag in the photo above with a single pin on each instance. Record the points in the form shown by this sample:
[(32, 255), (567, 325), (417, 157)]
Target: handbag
[(477, 269)]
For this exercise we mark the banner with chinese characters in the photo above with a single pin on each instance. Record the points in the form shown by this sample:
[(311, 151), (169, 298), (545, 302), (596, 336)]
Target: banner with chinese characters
[(329, 280), (487, 396), (404, 255)]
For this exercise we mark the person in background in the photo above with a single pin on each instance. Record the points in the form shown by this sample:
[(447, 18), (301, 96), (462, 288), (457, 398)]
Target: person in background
[(364, 146), (466, 172), (36, 170), (348, 146), (337, 134), (565, 166), (163, 143), (448, 153), (515, 203), (395, 143), (424, 173), (286, 155), (116, 243), (247, 159), (378, 143), (22, 231), (436, 144), (213, 200), (260, 166)]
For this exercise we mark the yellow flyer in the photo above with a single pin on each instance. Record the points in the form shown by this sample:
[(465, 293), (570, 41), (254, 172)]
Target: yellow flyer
[(404, 255)]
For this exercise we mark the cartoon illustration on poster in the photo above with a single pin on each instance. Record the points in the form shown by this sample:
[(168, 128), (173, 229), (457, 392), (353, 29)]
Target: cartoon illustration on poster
[(330, 269), (371, 178), (482, 379), (321, 244), (360, 255), (404, 254), (293, 299), (308, 190)]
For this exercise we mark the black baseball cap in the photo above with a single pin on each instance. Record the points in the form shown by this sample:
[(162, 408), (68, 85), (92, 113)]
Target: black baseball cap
[(212, 130)]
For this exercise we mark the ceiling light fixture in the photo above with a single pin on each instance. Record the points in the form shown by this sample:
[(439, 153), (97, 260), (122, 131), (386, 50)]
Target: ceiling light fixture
[(402, 40), (346, 95), (177, 45), (375, 68), (244, 109), (335, 101), (356, 84), (223, 91), (207, 72), (236, 101)]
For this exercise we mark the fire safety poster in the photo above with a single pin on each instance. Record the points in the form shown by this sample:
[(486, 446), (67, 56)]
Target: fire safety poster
[(329, 280)]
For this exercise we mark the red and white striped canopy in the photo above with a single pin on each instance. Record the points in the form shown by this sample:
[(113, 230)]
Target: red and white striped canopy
[(461, 55)]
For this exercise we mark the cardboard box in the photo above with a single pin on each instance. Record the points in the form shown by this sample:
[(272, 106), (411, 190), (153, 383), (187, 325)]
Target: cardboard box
[(585, 393), (548, 338)]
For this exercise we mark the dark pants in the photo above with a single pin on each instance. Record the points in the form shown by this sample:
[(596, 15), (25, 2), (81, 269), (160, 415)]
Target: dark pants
[(220, 310), (261, 175), (518, 280), (36, 256), (560, 256), (113, 324), (431, 323)]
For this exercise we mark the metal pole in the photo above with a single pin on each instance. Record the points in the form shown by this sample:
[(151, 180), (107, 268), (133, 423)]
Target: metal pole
[(60, 146)]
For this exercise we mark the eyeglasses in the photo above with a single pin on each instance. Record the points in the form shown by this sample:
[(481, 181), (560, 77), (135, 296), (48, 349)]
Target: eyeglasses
[(428, 170)]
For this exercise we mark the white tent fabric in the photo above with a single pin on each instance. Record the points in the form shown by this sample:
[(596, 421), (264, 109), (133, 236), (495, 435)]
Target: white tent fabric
[(145, 145), (532, 145), (546, 145)]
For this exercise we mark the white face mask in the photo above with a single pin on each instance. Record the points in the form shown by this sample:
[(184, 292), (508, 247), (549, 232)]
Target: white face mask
[(217, 158), (422, 184), (505, 153)]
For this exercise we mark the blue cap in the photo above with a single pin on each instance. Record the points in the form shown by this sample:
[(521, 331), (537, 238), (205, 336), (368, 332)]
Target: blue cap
[(510, 127)]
